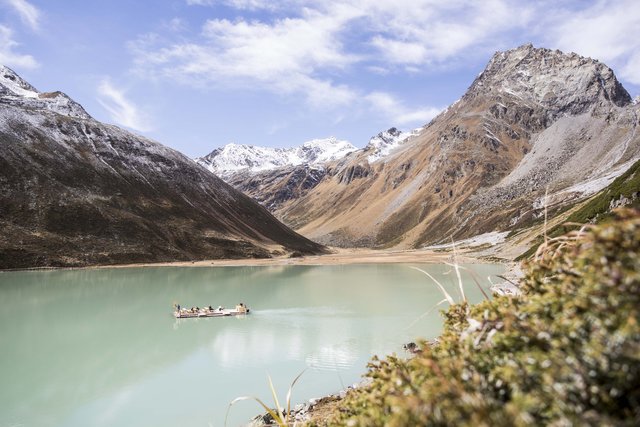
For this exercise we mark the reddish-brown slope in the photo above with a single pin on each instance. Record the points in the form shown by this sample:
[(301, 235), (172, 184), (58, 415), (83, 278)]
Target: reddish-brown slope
[(470, 171)]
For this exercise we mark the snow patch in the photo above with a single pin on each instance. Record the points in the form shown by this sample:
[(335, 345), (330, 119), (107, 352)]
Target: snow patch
[(585, 188), (20, 93), (234, 157), (493, 238), (14, 83), (385, 142)]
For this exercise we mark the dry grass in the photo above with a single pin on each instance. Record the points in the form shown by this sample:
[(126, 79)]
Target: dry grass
[(280, 415)]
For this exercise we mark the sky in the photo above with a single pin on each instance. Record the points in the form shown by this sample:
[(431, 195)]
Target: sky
[(198, 74)]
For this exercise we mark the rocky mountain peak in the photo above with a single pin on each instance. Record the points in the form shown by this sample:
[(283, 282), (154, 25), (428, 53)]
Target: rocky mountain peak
[(560, 82), (78, 192), (383, 143), (10, 81), (233, 158), (17, 91), (324, 150)]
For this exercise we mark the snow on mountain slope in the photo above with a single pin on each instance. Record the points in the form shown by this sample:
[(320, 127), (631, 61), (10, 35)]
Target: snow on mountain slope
[(233, 158), (534, 119), (385, 142), (15, 90), (77, 192), (275, 176)]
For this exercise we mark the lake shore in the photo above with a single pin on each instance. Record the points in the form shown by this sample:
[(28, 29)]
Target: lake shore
[(338, 256)]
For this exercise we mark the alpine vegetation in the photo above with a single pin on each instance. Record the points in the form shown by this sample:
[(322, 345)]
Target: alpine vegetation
[(566, 352)]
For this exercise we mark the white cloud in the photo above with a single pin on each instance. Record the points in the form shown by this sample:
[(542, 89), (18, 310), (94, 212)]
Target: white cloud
[(286, 56), (176, 25), (314, 49), (8, 56), (401, 52), (276, 127), (397, 113), (246, 4), (608, 31), (122, 110), (28, 13), (429, 31), (291, 45), (305, 52), (419, 116)]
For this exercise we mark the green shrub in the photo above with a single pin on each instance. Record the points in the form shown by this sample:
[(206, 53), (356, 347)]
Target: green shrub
[(598, 208), (567, 352)]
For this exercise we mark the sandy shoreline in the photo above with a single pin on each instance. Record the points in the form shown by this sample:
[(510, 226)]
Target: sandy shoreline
[(337, 257)]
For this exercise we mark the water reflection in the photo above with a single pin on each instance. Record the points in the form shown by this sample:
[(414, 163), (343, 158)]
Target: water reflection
[(100, 347), (340, 356)]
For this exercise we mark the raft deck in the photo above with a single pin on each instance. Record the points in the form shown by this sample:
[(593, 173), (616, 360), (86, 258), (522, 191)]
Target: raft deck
[(186, 314)]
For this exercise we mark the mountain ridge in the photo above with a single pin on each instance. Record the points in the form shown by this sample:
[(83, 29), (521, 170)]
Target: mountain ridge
[(77, 192), (233, 158), (17, 91), (274, 185), (533, 119)]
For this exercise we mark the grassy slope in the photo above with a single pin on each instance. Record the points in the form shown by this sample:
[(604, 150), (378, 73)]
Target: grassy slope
[(565, 353), (597, 209)]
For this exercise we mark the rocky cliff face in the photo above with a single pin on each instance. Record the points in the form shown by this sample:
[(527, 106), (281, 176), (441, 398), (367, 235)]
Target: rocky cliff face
[(74, 192), (534, 119), (275, 187)]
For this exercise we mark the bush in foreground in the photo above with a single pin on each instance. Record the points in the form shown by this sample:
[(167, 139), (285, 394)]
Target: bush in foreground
[(567, 352)]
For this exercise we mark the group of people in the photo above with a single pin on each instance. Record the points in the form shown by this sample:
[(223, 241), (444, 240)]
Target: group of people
[(187, 310), (240, 308)]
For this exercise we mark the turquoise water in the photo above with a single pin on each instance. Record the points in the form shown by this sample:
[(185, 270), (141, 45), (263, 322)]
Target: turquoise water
[(100, 347)]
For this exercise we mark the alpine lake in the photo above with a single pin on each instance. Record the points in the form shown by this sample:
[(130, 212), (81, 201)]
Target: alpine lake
[(100, 347)]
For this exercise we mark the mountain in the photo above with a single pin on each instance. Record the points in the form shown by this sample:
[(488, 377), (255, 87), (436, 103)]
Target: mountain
[(75, 192), (273, 176), (19, 93), (275, 183), (534, 121), (385, 142), (234, 158)]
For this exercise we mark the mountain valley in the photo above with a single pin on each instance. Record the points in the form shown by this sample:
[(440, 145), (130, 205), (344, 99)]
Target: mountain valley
[(538, 129)]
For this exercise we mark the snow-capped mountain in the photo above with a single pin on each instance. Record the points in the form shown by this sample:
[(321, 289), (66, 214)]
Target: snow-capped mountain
[(76, 192), (233, 158), (274, 176), (385, 142), (15, 90), (534, 119)]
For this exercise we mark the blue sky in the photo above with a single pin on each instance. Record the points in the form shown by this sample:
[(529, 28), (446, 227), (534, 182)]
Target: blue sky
[(197, 74)]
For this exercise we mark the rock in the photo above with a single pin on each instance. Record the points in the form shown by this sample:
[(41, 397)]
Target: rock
[(412, 348), (506, 289), (623, 201)]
